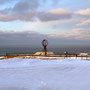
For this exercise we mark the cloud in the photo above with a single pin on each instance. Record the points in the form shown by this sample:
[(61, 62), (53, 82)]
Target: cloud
[(59, 11), (81, 33), (84, 23), (20, 38), (30, 38), (29, 10), (53, 15), (7, 17), (52, 26), (32, 15), (84, 12), (26, 5), (75, 34)]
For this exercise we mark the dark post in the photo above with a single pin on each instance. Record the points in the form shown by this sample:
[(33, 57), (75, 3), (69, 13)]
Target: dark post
[(45, 43), (66, 54), (76, 56)]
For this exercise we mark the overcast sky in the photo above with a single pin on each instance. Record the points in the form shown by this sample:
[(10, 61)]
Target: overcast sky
[(28, 22)]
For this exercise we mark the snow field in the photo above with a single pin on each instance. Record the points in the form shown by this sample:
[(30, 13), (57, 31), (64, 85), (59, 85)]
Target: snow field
[(36, 74)]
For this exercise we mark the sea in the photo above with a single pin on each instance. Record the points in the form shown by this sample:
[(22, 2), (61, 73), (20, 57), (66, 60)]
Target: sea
[(30, 50)]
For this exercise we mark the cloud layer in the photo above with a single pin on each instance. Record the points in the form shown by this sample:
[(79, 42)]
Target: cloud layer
[(75, 34), (84, 12), (26, 5), (84, 23), (32, 15), (28, 10), (30, 38)]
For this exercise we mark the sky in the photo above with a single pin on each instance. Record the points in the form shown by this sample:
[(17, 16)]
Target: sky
[(28, 22)]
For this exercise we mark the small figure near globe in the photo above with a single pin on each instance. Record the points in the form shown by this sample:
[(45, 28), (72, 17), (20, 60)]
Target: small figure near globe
[(45, 43), (66, 53)]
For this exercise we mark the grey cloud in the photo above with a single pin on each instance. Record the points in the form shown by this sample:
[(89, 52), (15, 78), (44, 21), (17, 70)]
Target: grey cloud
[(27, 10), (47, 16), (33, 39), (76, 34), (19, 38), (26, 5), (29, 16)]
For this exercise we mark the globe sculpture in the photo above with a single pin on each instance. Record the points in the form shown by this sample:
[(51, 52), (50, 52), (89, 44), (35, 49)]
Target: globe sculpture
[(45, 43)]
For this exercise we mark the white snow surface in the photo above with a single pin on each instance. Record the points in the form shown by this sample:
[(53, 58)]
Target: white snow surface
[(36, 74)]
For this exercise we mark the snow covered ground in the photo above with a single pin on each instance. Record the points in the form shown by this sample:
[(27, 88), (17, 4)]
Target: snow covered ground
[(35, 74)]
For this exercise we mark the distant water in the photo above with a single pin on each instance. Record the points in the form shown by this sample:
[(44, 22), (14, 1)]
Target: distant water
[(57, 50), (22, 50)]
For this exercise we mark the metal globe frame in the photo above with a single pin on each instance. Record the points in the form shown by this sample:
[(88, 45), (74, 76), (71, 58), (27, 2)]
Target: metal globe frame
[(45, 44)]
